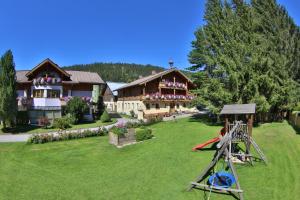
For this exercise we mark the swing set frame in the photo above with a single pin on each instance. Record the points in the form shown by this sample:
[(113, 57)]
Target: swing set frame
[(235, 132)]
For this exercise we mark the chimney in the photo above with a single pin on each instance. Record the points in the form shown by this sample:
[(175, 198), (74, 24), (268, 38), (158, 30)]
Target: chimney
[(153, 72), (171, 63)]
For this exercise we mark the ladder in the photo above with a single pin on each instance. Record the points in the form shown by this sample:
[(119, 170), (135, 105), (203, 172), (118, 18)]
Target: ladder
[(258, 150)]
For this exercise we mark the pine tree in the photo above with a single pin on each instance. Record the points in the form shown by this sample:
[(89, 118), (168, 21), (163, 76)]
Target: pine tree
[(246, 53), (276, 47), (8, 101), (207, 55)]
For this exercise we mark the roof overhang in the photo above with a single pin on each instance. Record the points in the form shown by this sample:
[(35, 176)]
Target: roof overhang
[(153, 77), (235, 109), (51, 63)]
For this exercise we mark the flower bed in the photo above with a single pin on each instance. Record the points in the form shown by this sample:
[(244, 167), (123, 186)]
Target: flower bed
[(48, 137), (131, 133), (121, 135)]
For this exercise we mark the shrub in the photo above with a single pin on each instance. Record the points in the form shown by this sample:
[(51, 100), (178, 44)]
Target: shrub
[(105, 117), (143, 134), (71, 119), (297, 107), (44, 138), (100, 107), (22, 118), (132, 114), (43, 122), (120, 131), (61, 123), (133, 124), (76, 107)]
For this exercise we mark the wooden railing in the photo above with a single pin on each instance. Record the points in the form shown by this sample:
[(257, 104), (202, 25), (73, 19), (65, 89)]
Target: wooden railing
[(173, 85)]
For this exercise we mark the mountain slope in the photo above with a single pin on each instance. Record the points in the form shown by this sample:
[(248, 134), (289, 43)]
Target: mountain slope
[(118, 72)]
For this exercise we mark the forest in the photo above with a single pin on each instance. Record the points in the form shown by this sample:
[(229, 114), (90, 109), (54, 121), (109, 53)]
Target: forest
[(120, 72)]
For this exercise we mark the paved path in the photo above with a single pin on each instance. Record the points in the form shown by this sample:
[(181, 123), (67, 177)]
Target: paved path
[(180, 116), (23, 137)]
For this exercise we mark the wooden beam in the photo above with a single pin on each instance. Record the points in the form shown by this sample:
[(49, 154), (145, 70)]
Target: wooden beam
[(250, 125), (209, 187), (210, 166), (226, 123), (232, 168)]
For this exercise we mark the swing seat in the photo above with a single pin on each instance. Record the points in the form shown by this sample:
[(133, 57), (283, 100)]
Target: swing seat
[(221, 179)]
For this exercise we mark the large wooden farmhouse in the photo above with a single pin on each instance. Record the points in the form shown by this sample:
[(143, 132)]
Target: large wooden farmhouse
[(45, 89), (160, 94)]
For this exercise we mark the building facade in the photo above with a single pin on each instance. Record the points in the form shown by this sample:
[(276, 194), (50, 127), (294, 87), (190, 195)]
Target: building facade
[(160, 94), (46, 89), (110, 97)]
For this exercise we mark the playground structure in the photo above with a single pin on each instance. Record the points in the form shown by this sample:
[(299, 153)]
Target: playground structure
[(236, 131), (213, 140)]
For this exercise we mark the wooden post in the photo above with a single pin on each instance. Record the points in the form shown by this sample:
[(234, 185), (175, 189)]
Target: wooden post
[(250, 125), (248, 143), (226, 124), (144, 90)]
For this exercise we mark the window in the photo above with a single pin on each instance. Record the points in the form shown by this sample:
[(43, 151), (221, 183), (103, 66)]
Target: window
[(38, 93), (53, 93), (177, 106), (157, 106), (184, 105), (147, 106)]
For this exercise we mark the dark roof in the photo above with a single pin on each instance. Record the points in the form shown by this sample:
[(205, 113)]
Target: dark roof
[(48, 60), (238, 109), (151, 77), (76, 77), (21, 76), (85, 77)]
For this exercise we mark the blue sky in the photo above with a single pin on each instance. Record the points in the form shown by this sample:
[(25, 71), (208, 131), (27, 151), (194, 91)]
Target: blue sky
[(85, 31)]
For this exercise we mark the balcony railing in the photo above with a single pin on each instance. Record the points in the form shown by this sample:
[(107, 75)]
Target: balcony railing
[(46, 102), (173, 85), (168, 97), (38, 103)]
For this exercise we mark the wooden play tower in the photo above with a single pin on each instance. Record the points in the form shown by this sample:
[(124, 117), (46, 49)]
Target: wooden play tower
[(238, 134)]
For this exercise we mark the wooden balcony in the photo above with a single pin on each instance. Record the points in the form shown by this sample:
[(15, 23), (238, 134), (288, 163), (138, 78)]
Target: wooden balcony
[(173, 85), (167, 98)]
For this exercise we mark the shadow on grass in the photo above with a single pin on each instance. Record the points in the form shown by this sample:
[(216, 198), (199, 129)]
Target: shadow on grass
[(206, 119), (28, 128), (212, 147), (115, 115), (21, 129), (297, 129), (206, 193)]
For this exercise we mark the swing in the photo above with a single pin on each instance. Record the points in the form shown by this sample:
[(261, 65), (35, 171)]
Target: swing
[(221, 179)]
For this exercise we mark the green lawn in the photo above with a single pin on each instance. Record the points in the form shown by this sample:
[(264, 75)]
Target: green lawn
[(36, 129), (160, 168)]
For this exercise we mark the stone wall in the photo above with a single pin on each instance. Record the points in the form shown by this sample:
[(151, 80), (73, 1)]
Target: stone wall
[(128, 138)]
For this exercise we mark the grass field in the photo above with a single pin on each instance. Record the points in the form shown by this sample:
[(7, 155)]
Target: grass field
[(160, 168), (37, 129)]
